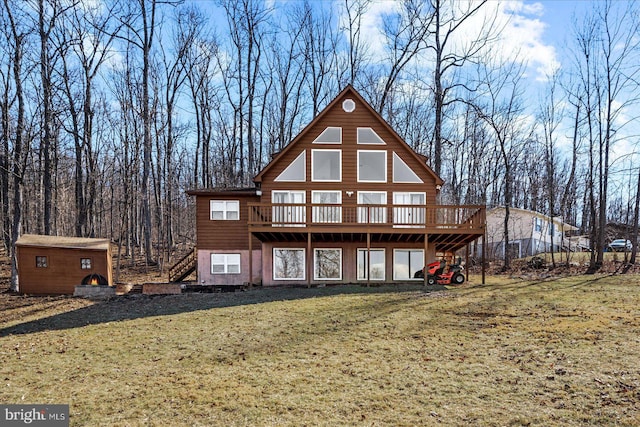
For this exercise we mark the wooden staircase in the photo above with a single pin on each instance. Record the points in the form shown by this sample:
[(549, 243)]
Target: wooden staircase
[(187, 265)]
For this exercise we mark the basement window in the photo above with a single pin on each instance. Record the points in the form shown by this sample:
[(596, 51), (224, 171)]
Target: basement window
[(225, 263), (328, 264), (41, 262), (288, 264)]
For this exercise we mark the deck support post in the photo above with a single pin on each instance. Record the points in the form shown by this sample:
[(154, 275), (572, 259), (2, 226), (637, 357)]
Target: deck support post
[(466, 262), (250, 261), (309, 260), (368, 269), (482, 258), (424, 268)]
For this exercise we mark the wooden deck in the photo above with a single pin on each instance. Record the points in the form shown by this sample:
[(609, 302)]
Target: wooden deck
[(449, 227)]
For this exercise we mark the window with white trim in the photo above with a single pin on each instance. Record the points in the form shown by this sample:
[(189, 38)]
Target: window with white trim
[(368, 136), (324, 213), (377, 269), (372, 214), (406, 263), (331, 135), (402, 172), (406, 215), (327, 264), (326, 165), (372, 166), (296, 171), (225, 210), (289, 209), (225, 263), (288, 264)]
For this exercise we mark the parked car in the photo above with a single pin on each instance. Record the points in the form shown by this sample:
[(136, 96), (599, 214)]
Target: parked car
[(620, 245)]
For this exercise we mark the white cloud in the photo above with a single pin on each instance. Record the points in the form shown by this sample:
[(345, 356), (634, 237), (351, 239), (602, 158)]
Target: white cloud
[(521, 38)]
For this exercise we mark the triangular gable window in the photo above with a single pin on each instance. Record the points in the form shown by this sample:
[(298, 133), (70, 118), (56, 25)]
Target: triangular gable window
[(369, 136), (296, 171), (331, 135), (402, 172)]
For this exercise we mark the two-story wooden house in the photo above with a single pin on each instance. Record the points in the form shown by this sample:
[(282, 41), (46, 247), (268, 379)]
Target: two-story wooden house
[(347, 201)]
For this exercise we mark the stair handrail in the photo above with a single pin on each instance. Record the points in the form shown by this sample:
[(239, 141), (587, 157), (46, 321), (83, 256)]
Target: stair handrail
[(180, 266)]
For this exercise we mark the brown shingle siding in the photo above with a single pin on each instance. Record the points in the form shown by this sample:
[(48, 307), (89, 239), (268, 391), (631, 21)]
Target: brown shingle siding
[(223, 234)]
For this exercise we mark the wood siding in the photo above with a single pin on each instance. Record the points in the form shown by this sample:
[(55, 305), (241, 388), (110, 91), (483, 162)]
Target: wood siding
[(63, 272), (349, 122), (440, 228), (223, 234)]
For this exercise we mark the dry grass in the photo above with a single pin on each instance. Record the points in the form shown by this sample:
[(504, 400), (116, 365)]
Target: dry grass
[(561, 352)]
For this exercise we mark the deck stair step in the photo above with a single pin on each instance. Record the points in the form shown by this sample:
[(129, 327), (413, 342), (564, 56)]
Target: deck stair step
[(184, 267)]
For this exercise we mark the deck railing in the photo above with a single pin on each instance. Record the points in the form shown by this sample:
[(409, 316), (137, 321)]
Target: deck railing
[(455, 217)]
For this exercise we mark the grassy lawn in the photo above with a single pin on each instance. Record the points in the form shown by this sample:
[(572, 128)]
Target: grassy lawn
[(509, 353)]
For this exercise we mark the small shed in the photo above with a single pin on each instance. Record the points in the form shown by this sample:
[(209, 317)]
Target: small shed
[(56, 265)]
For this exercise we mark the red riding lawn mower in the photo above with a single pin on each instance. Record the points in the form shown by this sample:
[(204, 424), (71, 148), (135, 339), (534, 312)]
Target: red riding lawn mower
[(438, 272)]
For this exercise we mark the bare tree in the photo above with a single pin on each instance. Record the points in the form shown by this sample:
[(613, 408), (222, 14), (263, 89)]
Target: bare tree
[(17, 41), (406, 36), (450, 17), (6, 105), (608, 74), (141, 24), (319, 43), (90, 31), (501, 109), (356, 46), (247, 21), (550, 117)]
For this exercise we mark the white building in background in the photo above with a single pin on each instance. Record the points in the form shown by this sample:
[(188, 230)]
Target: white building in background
[(530, 233)]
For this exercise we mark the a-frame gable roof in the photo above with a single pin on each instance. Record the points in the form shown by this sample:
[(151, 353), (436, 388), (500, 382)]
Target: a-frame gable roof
[(349, 90)]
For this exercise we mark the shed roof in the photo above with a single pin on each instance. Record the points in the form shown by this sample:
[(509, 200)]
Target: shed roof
[(63, 242)]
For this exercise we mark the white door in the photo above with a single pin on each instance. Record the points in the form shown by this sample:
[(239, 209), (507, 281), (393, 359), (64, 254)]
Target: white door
[(322, 212), (293, 212), (372, 214), (407, 216)]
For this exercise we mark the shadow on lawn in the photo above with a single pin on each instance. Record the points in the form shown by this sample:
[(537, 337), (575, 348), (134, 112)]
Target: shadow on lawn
[(533, 285), (140, 306)]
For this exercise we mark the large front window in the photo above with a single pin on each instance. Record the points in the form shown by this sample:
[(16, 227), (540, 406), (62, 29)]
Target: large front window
[(225, 263), (288, 264), (225, 210), (406, 262), (326, 165), (376, 260), (326, 213), (327, 264)]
